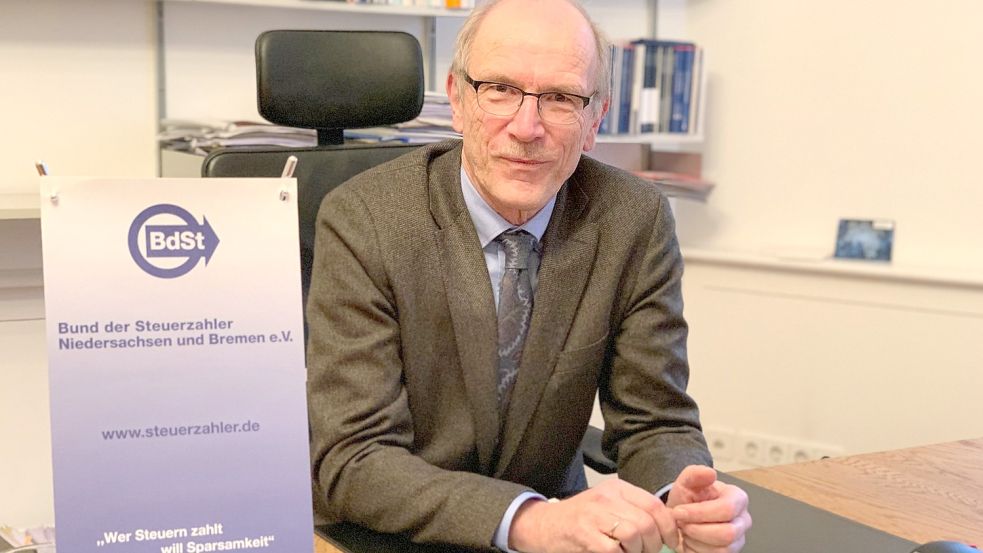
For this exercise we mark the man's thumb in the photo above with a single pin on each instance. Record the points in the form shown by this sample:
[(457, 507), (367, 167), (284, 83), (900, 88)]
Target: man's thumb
[(697, 477), (693, 485)]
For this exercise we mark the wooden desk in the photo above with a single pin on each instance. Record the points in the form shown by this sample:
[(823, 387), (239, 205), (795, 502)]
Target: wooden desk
[(921, 494)]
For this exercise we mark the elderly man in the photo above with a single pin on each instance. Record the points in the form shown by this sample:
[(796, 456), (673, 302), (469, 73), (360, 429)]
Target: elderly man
[(470, 298)]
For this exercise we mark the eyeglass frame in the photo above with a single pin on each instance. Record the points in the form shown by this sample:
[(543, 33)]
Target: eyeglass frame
[(475, 84)]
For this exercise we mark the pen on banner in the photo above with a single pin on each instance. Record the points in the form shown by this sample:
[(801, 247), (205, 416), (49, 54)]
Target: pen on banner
[(42, 168), (288, 172), (288, 167)]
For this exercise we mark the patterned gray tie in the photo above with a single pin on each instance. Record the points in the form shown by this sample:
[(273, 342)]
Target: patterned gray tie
[(514, 310)]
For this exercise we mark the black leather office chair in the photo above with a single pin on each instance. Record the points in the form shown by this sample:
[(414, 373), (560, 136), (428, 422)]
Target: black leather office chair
[(330, 81)]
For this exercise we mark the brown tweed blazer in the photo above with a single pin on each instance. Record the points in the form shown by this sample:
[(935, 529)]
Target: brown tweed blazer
[(402, 352)]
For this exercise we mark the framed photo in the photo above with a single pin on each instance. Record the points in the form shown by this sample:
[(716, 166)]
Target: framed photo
[(865, 239)]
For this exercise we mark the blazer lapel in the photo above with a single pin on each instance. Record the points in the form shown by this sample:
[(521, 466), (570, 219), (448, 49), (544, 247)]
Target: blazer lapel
[(469, 299), (569, 248)]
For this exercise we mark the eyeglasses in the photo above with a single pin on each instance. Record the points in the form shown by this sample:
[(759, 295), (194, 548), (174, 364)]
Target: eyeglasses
[(505, 100)]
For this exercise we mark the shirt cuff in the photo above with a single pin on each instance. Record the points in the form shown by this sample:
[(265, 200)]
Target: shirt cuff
[(501, 540), (663, 492)]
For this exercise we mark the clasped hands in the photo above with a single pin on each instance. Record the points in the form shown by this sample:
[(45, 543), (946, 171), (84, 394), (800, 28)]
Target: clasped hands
[(703, 515)]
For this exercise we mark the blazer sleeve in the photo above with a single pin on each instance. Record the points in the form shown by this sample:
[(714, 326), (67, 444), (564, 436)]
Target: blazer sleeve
[(652, 425), (364, 469)]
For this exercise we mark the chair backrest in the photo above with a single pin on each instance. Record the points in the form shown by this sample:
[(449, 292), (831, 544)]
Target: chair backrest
[(335, 80), (329, 81)]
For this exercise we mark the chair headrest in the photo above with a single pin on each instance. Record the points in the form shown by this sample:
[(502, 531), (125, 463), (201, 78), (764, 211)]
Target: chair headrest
[(338, 79)]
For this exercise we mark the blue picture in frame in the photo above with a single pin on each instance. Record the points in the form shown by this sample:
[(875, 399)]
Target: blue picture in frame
[(864, 239)]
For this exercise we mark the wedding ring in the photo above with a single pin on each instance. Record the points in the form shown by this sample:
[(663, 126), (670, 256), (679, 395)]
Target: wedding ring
[(610, 533)]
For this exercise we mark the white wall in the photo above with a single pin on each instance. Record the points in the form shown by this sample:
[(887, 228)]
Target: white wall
[(819, 110), (79, 89), (823, 109)]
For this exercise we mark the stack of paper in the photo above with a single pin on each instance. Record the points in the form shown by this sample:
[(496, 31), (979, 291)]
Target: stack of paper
[(679, 185), (202, 136)]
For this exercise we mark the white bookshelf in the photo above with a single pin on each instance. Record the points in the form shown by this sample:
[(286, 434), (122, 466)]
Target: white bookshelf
[(659, 142), (339, 6), (192, 73)]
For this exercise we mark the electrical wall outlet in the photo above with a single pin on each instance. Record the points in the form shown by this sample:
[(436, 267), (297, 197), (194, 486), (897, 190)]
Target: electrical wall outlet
[(777, 453), (799, 453), (752, 449), (722, 443), (738, 448)]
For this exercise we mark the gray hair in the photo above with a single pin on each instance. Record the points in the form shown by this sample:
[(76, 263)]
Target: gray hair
[(465, 40)]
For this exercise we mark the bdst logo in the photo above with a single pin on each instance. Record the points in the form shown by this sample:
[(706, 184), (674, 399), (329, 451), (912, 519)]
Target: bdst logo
[(175, 235)]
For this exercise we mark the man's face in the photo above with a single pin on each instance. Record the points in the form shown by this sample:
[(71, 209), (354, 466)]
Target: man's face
[(517, 163)]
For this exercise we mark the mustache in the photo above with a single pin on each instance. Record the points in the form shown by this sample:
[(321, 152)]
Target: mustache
[(534, 152)]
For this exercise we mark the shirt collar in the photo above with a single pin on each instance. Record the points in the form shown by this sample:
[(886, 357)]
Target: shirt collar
[(489, 224)]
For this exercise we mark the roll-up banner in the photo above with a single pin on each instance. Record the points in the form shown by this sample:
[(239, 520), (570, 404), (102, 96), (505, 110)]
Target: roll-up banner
[(176, 364)]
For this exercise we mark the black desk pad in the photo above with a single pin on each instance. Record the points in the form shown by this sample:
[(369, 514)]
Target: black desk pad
[(785, 525), (356, 539), (781, 525)]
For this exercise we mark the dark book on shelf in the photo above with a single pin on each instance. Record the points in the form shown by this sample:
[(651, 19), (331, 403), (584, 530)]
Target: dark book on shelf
[(627, 74), (682, 73)]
